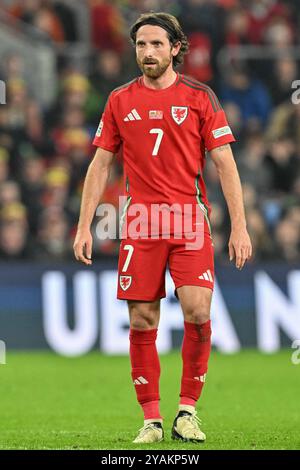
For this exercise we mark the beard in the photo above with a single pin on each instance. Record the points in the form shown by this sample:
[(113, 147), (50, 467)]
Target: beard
[(157, 70)]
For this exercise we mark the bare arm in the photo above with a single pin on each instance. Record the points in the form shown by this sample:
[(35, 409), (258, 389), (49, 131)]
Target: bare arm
[(93, 189), (239, 242)]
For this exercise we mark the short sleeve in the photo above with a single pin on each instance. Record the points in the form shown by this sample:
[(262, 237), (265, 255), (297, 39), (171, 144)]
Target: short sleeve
[(215, 130), (107, 135)]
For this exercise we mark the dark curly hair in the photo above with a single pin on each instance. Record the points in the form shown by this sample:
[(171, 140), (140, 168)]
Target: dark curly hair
[(170, 24)]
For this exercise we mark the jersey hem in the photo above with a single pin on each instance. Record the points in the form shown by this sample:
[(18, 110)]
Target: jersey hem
[(217, 144), (105, 147)]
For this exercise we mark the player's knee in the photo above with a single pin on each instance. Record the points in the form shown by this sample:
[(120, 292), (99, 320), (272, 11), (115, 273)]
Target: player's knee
[(197, 314), (142, 322), (142, 317)]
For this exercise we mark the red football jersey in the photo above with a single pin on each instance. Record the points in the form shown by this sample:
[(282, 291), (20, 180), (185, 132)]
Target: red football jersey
[(164, 136)]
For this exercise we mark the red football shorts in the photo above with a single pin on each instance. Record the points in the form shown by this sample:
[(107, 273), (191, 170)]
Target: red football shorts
[(143, 263)]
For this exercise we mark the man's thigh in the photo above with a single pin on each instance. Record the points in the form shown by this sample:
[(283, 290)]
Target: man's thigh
[(195, 302)]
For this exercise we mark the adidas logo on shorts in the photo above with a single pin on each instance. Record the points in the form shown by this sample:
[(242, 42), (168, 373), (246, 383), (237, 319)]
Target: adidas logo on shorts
[(207, 276)]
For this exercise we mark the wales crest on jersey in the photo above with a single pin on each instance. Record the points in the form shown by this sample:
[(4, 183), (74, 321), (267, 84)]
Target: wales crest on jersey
[(179, 113)]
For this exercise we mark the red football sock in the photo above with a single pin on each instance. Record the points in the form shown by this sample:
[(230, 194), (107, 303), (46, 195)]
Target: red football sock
[(187, 401), (151, 410), (145, 370), (195, 354)]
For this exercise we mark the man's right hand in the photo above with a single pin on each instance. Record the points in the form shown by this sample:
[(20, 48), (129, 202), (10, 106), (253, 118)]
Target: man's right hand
[(83, 246)]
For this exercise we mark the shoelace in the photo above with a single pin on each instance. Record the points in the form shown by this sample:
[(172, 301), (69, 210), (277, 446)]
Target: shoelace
[(194, 420), (145, 428)]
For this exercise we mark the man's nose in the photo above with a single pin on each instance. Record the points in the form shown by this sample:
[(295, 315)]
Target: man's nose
[(149, 51)]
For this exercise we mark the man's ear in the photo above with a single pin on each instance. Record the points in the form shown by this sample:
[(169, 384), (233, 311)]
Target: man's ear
[(176, 48)]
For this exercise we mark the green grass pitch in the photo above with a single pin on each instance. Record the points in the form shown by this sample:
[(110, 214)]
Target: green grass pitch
[(250, 401)]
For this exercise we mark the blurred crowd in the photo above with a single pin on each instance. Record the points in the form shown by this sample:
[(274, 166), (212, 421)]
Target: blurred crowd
[(45, 152)]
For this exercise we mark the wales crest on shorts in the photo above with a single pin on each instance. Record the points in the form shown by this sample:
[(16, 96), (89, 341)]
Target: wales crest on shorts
[(125, 282)]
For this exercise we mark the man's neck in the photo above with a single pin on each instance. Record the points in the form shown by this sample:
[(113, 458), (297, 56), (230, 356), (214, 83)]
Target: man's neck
[(166, 80)]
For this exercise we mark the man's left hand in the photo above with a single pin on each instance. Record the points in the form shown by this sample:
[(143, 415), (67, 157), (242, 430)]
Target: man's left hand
[(240, 247)]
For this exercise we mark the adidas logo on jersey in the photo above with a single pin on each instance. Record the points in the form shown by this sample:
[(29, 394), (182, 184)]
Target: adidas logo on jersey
[(133, 116), (207, 276), (140, 381)]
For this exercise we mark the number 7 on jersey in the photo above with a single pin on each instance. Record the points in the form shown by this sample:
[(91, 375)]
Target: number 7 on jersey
[(159, 137)]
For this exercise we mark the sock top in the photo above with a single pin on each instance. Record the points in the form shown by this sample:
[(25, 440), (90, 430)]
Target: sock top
[(188, 408), (153, 420)]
